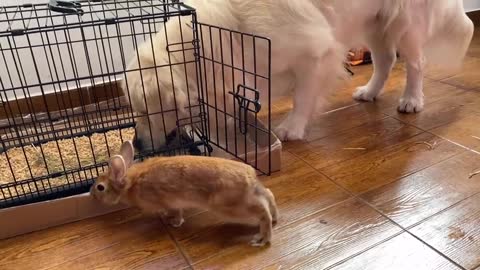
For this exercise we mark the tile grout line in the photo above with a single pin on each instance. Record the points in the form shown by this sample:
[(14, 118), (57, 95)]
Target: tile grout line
[(384, 116), (86, 254), (119, 243), (340, 132), (416, 237), (177, 245), (370, 151), (429, 131), (407, 174), (448, 77), (383, 215), (80, 257), (441, 211), (284, 226), (355, 254), (455, 143), (364, 250)]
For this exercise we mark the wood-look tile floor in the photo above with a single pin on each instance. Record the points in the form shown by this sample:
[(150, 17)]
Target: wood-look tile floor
[(397, 204)]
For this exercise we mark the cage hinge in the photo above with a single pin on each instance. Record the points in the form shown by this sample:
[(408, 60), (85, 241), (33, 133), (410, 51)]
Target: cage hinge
[(110, 20), (65, 7), (183, 12), (17, 32), (196, 45), (244, 105)]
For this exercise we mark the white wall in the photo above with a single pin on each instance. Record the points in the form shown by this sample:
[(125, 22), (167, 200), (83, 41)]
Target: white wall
[(63, 62), (471, 5)]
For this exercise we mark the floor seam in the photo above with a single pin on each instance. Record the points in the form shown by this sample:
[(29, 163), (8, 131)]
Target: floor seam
[(348, 130), (388, 218), (284, 226), (178, 247), (432, 128), (429, 131), (364, 250), (400, 177), (461, 87), (441, 211)]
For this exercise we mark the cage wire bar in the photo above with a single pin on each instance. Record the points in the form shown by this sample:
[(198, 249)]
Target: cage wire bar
[(62, 113)]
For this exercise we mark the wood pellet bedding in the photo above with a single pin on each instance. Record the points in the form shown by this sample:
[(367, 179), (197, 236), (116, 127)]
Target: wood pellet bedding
[(58, 156)]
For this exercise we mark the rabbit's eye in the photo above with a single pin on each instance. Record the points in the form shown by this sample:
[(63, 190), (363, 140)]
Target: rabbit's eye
[(100, 187)]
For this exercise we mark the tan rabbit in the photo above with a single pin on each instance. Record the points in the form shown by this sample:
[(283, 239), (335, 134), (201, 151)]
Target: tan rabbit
[(167, 185)]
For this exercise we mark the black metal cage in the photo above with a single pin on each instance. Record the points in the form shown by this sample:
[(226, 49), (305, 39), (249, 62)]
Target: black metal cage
[(63, 111)]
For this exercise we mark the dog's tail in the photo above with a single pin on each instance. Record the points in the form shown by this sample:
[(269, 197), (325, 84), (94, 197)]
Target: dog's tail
[(450, 37)]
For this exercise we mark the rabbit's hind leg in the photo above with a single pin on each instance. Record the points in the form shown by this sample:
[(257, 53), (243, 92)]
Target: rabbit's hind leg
[(173, 217)]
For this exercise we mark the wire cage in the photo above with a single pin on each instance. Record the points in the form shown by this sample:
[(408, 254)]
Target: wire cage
[(63, 112)]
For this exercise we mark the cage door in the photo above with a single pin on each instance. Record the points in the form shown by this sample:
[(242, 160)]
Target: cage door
[(234, 77)]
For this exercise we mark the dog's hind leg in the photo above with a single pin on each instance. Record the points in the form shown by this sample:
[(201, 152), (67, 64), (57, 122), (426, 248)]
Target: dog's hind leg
[(384, 58)]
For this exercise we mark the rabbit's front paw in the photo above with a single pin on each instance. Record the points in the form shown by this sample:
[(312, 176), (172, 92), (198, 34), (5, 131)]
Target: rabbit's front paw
[(175, 221), (259, 240), (173, 217)]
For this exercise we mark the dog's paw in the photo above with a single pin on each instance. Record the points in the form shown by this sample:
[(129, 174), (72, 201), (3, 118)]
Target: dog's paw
[(285, 134), (274, 219), (259, 240), (410, 105), (364, 93), (288, 130)]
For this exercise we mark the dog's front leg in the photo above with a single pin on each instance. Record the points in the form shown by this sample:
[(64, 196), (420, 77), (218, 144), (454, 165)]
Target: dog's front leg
[(312, 76), (293, 127), (411, 49), (412, 99)]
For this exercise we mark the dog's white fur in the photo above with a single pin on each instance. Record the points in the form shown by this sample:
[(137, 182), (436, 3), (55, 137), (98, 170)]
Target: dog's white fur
[(309, 42)]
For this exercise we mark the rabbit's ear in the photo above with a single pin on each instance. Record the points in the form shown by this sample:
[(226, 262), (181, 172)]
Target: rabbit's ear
[(117, 170), (127, 151)]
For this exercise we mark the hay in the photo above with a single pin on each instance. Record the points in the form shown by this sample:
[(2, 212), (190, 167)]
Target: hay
[(59, 156), (471, 175), (355, 148)]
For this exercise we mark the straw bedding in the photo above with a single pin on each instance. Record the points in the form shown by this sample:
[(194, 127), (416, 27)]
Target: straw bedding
[(59, 156)]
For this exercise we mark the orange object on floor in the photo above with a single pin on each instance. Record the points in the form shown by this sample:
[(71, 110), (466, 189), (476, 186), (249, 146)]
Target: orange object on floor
[(359, 56)]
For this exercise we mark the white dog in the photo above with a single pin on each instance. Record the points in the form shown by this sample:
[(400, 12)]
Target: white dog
[(309, 42)]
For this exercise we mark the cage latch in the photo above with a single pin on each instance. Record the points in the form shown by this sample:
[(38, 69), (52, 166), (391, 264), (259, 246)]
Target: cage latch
[(244, 105), (181, 47), (65, 7), (347, 68)]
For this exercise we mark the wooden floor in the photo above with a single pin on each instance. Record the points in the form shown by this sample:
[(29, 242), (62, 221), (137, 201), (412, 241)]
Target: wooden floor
[(398, 204)]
